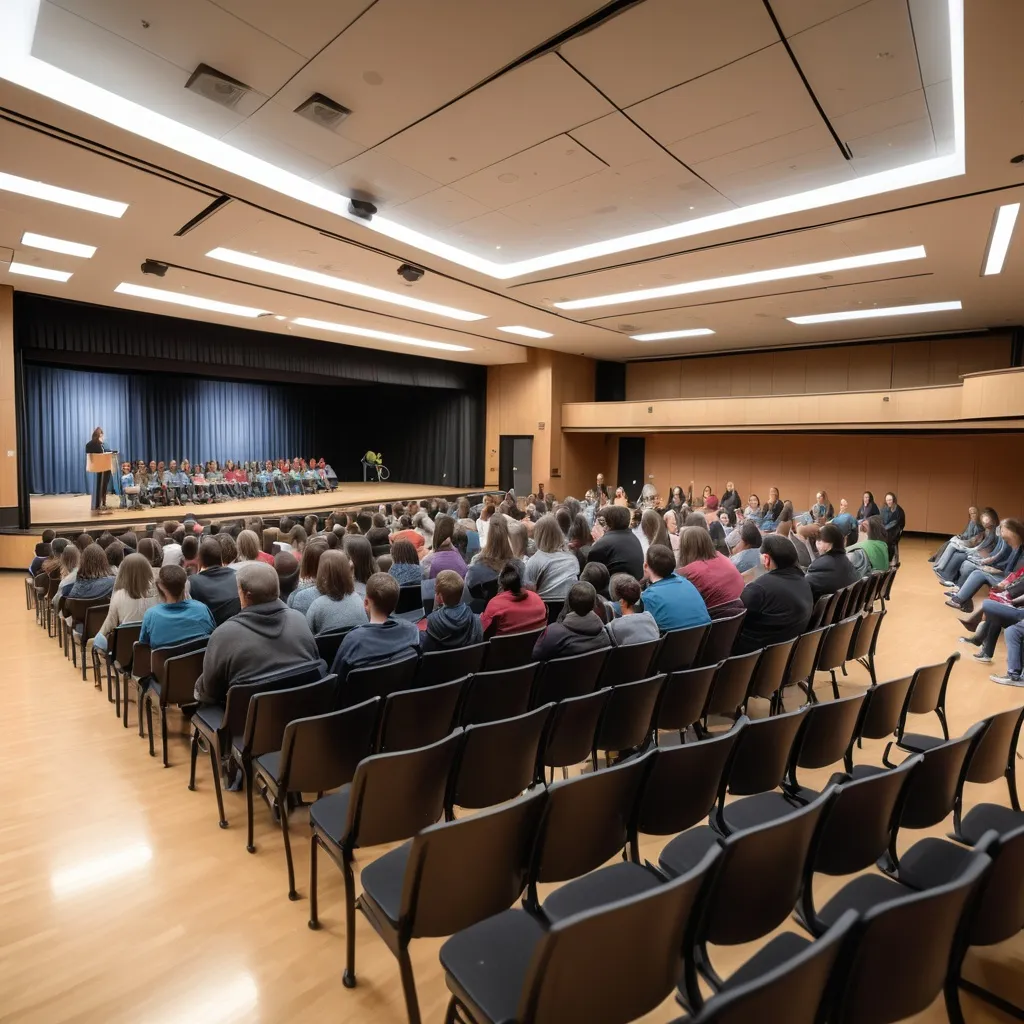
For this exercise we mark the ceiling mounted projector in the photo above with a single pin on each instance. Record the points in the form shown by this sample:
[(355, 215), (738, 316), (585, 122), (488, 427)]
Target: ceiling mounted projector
[(153, 267), (362, 209)]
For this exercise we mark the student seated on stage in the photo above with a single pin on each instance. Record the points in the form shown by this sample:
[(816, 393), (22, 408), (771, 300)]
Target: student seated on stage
[(262, 481), (295, 478), (215, 584), (329, 474), (199, 486), (266, 636), (128, 480), (383, 639), (451, 624), (337, 605), (181, 481), (310, 480), (154, 483), (177, 618), (215, 478)]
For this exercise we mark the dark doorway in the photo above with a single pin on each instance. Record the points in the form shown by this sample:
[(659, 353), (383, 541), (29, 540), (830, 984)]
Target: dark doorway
[(631, 466), (515, 463)]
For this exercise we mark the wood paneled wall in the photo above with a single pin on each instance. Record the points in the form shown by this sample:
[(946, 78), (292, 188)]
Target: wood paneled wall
[(826, 369), (936, 477), (8, 413)]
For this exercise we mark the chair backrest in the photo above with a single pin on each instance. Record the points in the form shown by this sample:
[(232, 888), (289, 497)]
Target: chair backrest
[(586, 822), (830, 613), (76, 607), (682, 784), (719, 640), (883, 708), (770, 671), (818, 611), (125, 637), (759, 877), (802, 984), (322, 752), (395, 795), (443, 666), (327, 644), (590, 966), (159, 656), (480, 595), (762, 753), (732, 681), (503, 693), (570, 734), (236, 706), (998, 913), (417, 717), (993, 756), (93, 619), (885, 590), (928, 690), (628, 663), (679, 649), (573, 676), (511, 649), (684, 697), (497, 760), (378, 680), (410, 599), (931, 793), (179, 678), (628, 717), (270, 711), (827, 732), (873, 589), (861, 820), (461, 872), (835, 647), (805, 655), (554, 608), (865, 637), (902, 955)]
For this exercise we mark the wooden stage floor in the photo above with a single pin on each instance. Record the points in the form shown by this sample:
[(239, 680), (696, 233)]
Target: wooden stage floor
[(69, 510)]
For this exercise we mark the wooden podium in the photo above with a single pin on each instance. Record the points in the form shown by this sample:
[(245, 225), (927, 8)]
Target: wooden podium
[(101, 462)]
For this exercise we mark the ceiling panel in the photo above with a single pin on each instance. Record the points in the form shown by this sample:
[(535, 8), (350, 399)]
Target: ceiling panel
[(439, 209), (861, 57), (377, 176), (193, 32), (658, 44), (940, 110), (797, 15), (404, 59), (895, 146), (931, 36), (620, 143), (305, 26)]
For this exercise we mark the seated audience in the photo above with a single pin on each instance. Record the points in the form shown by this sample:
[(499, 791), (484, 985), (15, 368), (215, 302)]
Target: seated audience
[(514, 609), (712, 573), (671, 518), (673, 601), (176, 618), (493, 557), (190, 554), (445, 554), (831, 570), (383, 638), (306, 590), (378, 536), (994, 570), (871, 552), (948, 565), (868, 507), (1003, 608), (338, 606), (451, 624), (151, 551), (361, 555), (771, 510), (286, 565), (746, 554), (215, 583), (134, 593), (731, 500), (846, 522), (67, 570), (579, 632), (618, 549), (652, 530), (1014, 657), (630, 626), (778, 603), (553, 569), (405, 564), (968, 538), (822, 508), (894, 519), (266, 636), (43, 551), (94, 578)]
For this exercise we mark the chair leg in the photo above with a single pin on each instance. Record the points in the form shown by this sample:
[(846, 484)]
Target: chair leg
[(140, 700), (451, 1015), (1010, 1009), (941, 713), (314, 921), (835, 685), (163, 735), (194, 753), (282, 813), (149, 722), (412, 1006), (247, 776), (127, 686), (215, 764), (348, 979), (117, 693)]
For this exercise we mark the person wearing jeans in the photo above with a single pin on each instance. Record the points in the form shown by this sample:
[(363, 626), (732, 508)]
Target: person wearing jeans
[(1002, 564), (1014, 652)]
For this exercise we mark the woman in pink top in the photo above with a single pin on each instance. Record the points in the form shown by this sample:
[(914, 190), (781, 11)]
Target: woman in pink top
[(714, 575)]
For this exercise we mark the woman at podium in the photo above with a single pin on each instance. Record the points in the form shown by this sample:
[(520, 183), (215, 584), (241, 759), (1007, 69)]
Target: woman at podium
[(102, 482)]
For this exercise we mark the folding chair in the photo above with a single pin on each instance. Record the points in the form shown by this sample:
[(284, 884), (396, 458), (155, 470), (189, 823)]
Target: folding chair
[(511, 650), (927, 696), (503, 693)]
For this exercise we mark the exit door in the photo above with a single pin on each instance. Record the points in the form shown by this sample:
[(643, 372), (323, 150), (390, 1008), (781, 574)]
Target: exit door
[(631, 466), (515, 463)]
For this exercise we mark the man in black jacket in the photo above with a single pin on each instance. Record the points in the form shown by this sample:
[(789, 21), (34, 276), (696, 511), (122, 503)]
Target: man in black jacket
[(778, 603), (619, 548), (580, 631), (215, 584)]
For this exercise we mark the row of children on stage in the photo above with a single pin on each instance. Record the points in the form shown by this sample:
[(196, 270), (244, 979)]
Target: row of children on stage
[(171, 484)]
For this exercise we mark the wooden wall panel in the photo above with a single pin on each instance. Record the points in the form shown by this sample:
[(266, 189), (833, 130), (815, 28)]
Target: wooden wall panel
[(582, 454), (8, 412)]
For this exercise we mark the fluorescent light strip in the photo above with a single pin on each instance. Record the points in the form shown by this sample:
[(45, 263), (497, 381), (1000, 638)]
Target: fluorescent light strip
[(365, 332), (34, 241), (338, 284), (181, 299), (17, 65), (868, 314), (999, 243), (526, 332), (29, 270), (695, 332), (64, 196), (870, 259)]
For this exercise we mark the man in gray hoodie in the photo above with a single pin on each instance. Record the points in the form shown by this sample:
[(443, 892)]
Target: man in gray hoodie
[(451, 624), (580, 631), (266, 636)]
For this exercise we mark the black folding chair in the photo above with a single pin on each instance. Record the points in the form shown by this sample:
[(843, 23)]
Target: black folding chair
[(570, 735), (732, 683), (378, 680), (832, 654), (800, 669), (927, 696), (420, 716), (683, 699), (410, 603), (573, 676), (769, 674), (628, 720), (327, 644), (511, 649), (881, 713), (443, 666), (117, 659), (720, 638), (173, 685), (679, 649), (87, 613), (865, 640), (628, 663), (503, 693)]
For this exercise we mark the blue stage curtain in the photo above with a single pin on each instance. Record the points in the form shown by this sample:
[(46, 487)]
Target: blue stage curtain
[(156, 417)]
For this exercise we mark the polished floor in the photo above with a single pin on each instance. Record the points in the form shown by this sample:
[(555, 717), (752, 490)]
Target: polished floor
[(122, 901)]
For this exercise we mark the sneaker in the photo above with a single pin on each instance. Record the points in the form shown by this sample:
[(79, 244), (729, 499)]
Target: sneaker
[(948, 583), (982, 657), (968, 640), (1007, 680)]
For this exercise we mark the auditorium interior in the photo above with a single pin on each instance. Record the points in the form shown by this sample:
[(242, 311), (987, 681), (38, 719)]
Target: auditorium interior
[(476, 261)]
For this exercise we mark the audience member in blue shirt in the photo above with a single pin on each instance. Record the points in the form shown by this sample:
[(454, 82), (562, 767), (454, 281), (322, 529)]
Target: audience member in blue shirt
[(177, 618), (673, 600)]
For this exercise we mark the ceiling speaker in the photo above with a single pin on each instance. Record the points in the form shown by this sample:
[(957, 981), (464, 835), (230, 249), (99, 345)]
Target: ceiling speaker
[(213, 85), (322, 110)]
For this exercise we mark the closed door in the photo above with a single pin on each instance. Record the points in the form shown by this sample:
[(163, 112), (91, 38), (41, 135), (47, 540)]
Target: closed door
[(631, 465), (515, 463)]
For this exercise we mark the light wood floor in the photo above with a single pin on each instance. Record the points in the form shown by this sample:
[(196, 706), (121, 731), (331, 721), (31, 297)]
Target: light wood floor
[(122, 901)]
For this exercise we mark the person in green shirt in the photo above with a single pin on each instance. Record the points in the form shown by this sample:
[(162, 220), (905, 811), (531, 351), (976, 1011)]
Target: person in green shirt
[(871, 552)]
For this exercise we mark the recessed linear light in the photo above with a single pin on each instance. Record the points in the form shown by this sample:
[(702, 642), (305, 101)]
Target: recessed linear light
[(181, 299), (64, 196), (869, 259), (365, 332), (29, 270), (999, 242), (868, 314), (34, 241), (695, 332), (526, 332), (339, 284)]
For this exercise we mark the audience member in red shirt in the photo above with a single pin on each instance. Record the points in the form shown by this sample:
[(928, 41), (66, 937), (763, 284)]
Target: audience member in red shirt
[(718, 580), (408, 533), (513, 609)]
